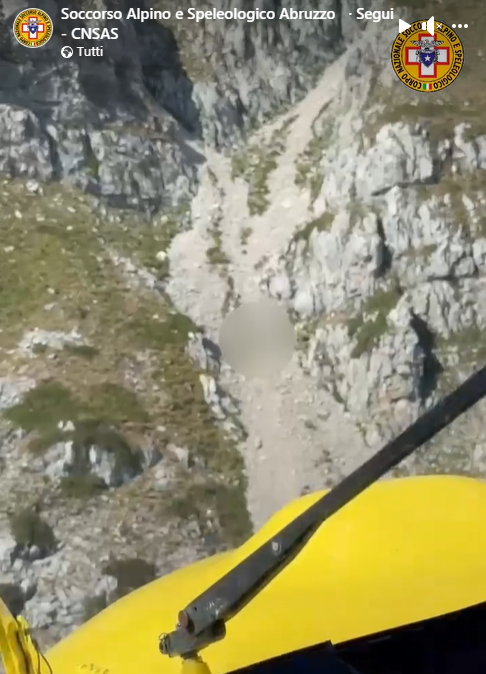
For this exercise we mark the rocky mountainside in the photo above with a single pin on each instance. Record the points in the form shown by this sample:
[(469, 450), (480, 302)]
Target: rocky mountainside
[(144, 197)]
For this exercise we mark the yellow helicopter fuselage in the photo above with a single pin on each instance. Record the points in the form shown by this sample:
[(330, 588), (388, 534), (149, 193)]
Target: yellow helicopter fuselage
[(405, 550)]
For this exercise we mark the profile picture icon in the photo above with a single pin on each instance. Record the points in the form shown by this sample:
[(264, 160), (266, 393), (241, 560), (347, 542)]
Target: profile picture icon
[(32, 28)]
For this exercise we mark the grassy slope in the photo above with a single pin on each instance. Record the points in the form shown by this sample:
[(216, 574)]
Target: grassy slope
[(56, 274)]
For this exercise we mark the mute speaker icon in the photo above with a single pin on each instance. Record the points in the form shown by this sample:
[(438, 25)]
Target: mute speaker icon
[(429, 26)]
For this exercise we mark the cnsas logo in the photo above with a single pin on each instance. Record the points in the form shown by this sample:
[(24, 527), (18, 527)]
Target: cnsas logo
[(32, 28), (95, 33), (427, 59)]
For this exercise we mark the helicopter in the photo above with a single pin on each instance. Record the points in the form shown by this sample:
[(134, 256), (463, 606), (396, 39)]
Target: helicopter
[(371, 577)]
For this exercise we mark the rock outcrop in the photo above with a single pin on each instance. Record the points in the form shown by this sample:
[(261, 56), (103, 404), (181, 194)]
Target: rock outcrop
[(122, 130), (361, 213)]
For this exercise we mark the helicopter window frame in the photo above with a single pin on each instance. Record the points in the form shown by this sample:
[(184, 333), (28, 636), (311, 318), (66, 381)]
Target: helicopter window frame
[(450, 643)]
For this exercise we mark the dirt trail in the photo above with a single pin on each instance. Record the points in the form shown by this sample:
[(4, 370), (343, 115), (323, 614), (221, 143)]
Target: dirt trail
[(298, 435)]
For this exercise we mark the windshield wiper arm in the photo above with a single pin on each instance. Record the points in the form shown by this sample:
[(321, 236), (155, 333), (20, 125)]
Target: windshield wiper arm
[(202, 622)]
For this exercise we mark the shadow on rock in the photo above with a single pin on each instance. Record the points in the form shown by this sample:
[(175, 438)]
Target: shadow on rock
[(426, 366)]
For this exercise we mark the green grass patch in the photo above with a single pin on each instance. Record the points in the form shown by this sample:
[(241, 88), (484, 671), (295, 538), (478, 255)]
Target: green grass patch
[(321, 224), (49, 403), (423, 253), (39, 349), (29, 529), (44, 407), (371, 324), (115, 404), (82, 486), (79, 350), (308, 174), (45, 262), (159, 334), (449, 196), (440, 119), (245, 234), (142, 242), (469, 343), (255, 164), (130, 574), (216, 256), (92, 163), (226, 500), (98, 420), (215, 253), (93, 605)]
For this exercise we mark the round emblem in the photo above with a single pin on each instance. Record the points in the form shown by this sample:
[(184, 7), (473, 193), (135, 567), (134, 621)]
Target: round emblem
[(32, 28), (425, 62)]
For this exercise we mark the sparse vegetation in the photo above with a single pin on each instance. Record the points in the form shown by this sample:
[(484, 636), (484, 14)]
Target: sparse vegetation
[(421, 253), (469, 343), (230, 299), (451, 193), (358, 212), (50, 404), (93, 605), (55, 274), (115, 404), (450, 199), (308, 174), (218, 259), (92, 163), (29, 529), (321, 224), (81, 351), (255, 164), (82, 486), (246, 232), (130, 574), (440, 119), (159, 334), (304, 332), (215, 253), (226, 501), (43, 407), (371, 323)]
